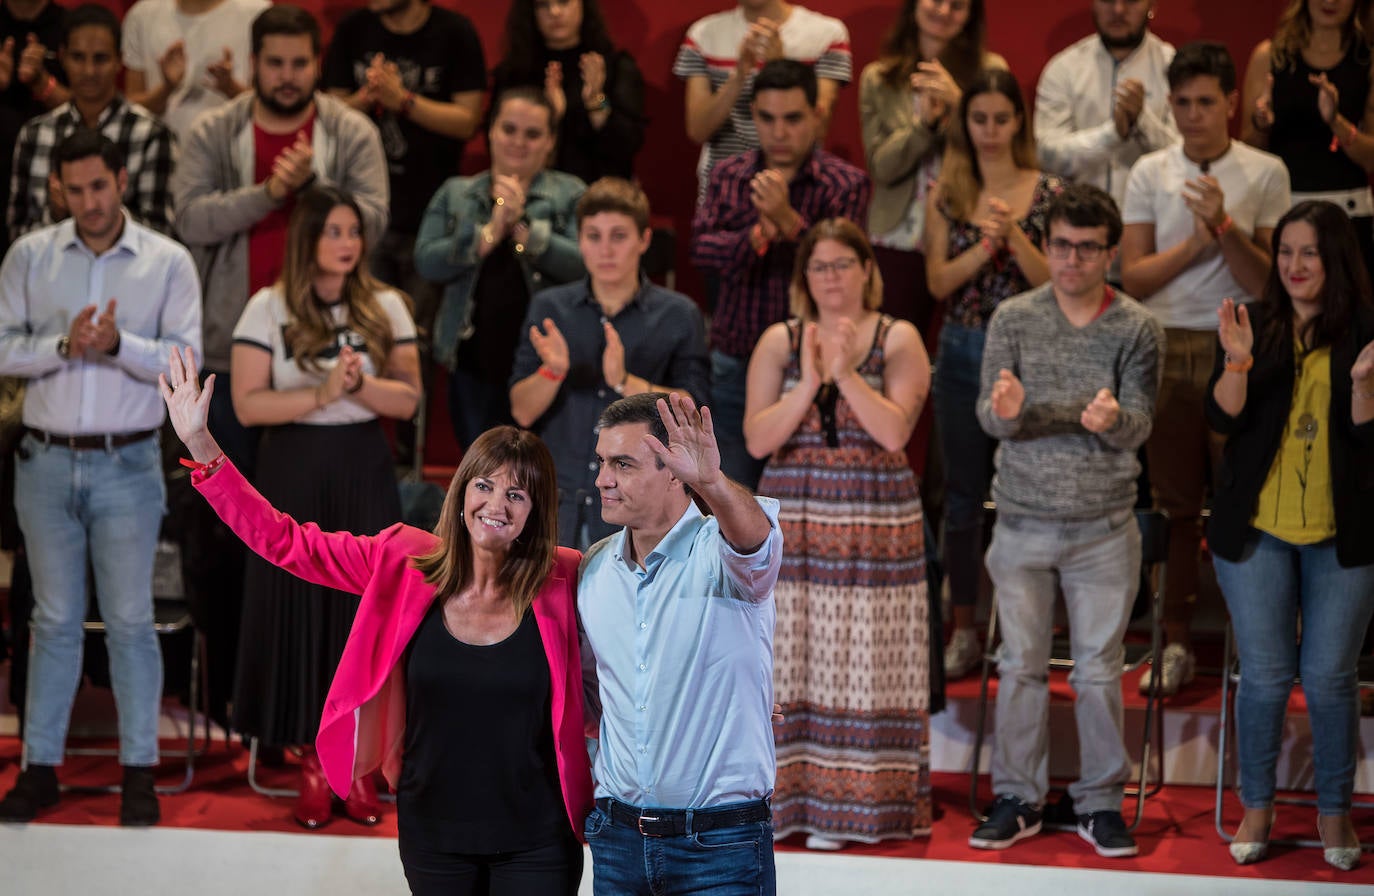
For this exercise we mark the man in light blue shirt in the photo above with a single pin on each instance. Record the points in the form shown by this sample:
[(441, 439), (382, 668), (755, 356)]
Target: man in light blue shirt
[(677, 611), (89, 309)]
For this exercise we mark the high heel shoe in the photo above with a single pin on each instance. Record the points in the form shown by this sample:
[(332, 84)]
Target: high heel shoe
[(1248, 852), (1343, 857), (315, 805), (362, 805)]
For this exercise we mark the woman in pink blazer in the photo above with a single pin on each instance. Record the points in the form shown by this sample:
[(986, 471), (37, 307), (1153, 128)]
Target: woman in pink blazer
[(461, 678)]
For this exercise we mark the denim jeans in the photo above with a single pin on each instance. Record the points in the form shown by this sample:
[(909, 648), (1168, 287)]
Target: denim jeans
[(736, 861), (967, 452), (728, 375), (1096, 563), (107, 505), (1273, 586)]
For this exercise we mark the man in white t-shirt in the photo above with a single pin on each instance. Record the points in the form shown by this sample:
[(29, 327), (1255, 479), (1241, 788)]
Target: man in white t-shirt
[(1199, 219), (721, 54), (182, 57)]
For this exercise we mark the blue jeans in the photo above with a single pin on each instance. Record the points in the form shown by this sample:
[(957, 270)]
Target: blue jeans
[(1267, 592), (967, 452), (107, 505), (735, 861), (1096, 563), (728, 375)]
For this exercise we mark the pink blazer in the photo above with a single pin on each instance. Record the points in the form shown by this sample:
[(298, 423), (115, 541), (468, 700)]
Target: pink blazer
[(363, 724)]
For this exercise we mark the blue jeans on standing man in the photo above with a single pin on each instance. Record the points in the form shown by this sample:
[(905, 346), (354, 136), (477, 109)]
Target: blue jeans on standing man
[(733, 861), (728, 376), (967, 452), (1267, 591), (106, 504)]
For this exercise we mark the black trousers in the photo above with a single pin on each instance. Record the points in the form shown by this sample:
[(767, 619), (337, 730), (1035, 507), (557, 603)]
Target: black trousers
[(554, 869)]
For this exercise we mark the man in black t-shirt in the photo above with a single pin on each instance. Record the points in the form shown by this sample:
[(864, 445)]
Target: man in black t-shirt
[(418, 70), (31, 81)]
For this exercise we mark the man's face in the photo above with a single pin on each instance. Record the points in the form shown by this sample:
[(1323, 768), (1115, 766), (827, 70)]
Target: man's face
[(91, 63), (786, 126), (611, 246), (1122, 23), (635, 491), (1201, 110), (93, 193), (285, 72), (1072, 274)]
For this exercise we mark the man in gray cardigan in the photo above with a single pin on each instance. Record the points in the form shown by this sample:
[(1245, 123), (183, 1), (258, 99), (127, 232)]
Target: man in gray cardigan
[(1070, 374), (240, 170)]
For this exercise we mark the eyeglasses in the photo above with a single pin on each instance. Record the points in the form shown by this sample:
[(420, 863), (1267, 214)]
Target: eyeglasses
[(838, 266), (1087, 251)]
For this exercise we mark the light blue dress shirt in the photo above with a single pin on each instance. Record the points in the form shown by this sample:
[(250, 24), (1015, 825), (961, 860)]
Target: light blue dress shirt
[(48, 276), (683, 650)]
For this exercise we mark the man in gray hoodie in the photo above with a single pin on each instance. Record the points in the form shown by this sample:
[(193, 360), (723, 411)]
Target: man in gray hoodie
[(1070, 375), (240, 170)]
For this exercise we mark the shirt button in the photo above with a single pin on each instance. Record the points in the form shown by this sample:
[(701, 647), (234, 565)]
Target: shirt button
[(643, 667), (591, 465), (642, 708), (643, 749), (643, 625)]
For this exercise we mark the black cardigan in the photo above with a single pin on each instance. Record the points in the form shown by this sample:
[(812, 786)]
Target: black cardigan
[(1253, 436)]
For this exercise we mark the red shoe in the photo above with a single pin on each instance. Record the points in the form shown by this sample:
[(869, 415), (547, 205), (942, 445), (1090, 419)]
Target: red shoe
[(315, 805), (362, 805)]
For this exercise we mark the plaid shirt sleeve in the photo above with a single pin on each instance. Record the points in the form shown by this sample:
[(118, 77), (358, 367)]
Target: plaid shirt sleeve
[(28, 208), (150, 156), (720, 228)]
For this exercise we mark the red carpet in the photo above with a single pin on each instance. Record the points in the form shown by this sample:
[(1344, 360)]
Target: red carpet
[(1176, 835)]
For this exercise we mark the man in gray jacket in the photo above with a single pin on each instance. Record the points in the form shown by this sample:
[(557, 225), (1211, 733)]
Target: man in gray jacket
[(239, 174), (1070, 375)]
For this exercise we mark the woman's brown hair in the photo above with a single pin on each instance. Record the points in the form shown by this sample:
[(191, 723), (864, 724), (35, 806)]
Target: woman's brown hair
[(525, 457), (846, 233), (312, 328), (1294, 31), (962, 56), (960, 178)]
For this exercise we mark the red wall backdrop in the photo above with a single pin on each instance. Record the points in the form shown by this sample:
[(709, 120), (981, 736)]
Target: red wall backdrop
[(1026, 32)]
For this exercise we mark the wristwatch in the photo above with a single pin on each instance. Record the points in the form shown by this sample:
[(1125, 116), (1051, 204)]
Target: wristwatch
[(620, 387), (64, 348)]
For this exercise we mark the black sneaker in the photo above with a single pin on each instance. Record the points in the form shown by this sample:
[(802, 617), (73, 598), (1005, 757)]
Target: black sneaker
[(1009, 819), (1107, 832), (34, 790)]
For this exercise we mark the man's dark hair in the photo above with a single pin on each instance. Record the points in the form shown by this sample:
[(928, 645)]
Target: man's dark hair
[(641, 408), (1199, 58), (84, 143), (1083, 205), (288, 20), (787, 74), (87, 15)]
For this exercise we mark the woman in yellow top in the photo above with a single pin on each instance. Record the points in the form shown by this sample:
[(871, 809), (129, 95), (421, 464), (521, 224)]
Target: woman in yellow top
[(1292, 527)]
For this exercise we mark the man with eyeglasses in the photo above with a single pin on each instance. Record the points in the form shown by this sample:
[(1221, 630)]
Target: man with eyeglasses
[(1069, 377)]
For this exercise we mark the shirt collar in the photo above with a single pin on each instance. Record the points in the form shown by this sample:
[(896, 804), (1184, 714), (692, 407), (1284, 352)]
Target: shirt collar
[(115, 107), (676, 544), (810, 168), (589, 298), (128, 241)]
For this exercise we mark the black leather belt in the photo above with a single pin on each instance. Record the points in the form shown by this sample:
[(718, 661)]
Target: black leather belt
[(90, 442), (675, 822)]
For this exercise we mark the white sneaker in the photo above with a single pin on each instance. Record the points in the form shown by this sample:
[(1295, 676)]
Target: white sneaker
[(962, 654), (1176, 668), (824, 844)]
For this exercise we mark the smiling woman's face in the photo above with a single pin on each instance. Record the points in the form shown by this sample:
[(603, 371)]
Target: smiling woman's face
[(495, 510)]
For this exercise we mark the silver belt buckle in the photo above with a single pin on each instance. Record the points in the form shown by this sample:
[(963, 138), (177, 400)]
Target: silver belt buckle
[(650, 818)]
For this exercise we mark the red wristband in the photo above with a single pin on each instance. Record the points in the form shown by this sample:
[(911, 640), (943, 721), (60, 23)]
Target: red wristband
[(549, 375), (1226, 224), (47, 90), (206, 469)]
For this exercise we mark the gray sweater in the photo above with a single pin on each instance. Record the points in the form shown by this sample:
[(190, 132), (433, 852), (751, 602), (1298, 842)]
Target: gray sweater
[(1048, 465), (218, 200)]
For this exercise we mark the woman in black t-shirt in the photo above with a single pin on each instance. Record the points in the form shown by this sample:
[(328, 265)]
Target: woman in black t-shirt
[(596, 90)]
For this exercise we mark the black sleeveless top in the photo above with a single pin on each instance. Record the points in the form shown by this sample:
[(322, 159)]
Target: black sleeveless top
[(1299, 135), (478, 774)]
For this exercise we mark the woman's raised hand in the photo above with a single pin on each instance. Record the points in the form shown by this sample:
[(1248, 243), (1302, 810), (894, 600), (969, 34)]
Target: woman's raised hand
[(1362, 373), (188, 405), (1237, 339), (810, 357)]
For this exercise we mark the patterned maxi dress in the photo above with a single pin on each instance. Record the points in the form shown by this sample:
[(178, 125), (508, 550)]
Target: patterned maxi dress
[(851, 656)]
